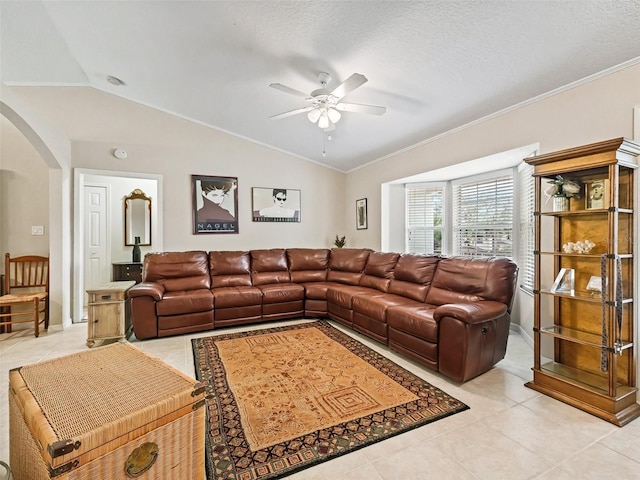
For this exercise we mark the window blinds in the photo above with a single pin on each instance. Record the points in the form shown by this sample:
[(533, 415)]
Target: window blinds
[(424, 219), (482, 217), (527, 225)]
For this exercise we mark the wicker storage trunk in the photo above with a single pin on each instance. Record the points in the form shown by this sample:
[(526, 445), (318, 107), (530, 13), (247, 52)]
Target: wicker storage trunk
[(109, 413)]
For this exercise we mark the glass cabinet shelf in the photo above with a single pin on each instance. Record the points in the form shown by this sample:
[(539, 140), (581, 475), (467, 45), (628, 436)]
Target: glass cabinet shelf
[(566, 213), (584, 338), (584, 255), (580, 295), (596, 383)]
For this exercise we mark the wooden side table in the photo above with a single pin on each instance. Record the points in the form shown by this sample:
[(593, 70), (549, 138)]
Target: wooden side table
[(109, 317), (127, 271)]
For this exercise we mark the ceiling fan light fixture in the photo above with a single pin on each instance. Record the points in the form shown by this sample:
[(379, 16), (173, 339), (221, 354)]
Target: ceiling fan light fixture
[(334, 115), (313, 115), (323, 122), (326, 107)]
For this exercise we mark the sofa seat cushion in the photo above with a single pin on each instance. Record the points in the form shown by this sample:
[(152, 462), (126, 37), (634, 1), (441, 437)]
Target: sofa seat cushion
[(178, 302), (318, 290), (343, 295), (376, 306), (281, 293), (415, 320), (228, 297)]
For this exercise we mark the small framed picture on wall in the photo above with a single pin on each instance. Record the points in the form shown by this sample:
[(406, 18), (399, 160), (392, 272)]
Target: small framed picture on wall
[(215, 204), (361, 214)]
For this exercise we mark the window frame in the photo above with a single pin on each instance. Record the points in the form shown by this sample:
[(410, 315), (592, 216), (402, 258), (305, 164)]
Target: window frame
[(448, 206)]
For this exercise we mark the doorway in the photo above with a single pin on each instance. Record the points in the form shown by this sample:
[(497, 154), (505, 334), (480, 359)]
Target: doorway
[(95, 225), (96, 246)]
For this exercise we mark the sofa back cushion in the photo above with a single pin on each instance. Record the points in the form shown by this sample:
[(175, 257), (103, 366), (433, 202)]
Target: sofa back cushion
[(269, 266), (347, 264), (413, 275), (230, 269), (308, 264), (177, 270), (379, 270), (465, 279)]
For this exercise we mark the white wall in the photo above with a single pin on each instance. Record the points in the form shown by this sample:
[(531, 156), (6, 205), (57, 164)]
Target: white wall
[(596, 110), (393, 222), (174, 148), (322, 189), (23, 174), (161, 144)]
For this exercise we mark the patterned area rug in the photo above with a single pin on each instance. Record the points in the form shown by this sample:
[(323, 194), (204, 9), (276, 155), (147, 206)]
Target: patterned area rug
[(283, 399)]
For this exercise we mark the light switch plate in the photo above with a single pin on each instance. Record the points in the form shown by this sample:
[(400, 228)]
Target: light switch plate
[(37, 230)]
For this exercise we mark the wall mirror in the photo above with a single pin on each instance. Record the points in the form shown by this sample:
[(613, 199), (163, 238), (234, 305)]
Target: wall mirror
[(137, 218)]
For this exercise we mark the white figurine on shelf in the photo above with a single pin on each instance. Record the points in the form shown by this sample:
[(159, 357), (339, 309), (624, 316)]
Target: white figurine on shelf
[(578, 247)]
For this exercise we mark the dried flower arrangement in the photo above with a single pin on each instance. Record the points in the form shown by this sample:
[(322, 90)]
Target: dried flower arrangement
[(563, 187)]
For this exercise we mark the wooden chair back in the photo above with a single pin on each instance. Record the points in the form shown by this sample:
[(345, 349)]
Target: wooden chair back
[(26, 292), (26, 272)]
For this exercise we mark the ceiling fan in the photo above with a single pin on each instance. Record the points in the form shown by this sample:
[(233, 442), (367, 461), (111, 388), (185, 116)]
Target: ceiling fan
[(326, 105)]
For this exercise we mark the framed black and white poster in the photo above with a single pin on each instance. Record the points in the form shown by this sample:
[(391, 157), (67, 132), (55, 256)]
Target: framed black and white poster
[(361, 214), (215, 204), (275, 204)]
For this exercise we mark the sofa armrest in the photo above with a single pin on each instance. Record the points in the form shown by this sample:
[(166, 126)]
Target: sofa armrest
[(147, 289), (472, 313), (472, 337)]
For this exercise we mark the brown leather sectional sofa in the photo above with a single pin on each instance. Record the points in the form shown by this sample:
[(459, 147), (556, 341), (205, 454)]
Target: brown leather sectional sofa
[(449, 313)]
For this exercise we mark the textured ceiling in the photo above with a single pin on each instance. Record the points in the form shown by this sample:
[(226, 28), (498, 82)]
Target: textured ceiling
[(435, 65)]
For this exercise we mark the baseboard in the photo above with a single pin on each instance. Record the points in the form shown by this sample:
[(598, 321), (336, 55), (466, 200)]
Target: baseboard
[(523, 333)]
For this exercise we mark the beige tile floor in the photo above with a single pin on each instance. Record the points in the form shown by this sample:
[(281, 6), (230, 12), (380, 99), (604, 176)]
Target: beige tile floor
[(510, 431)]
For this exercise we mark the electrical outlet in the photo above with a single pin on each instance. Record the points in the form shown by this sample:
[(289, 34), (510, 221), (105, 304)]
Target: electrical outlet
[(37, 230)]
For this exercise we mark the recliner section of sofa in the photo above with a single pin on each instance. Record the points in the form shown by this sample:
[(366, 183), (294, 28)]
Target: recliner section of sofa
[(308, 268), (236, 300), (280, 297), (449, 313), (176, 296)]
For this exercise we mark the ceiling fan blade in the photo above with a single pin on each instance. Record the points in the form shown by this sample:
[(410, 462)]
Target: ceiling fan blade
[(350, 84), (291, 113), (285, 89), (359, 108)]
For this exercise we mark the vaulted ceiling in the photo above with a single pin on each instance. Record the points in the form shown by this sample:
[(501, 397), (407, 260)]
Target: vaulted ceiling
[(434, 65)]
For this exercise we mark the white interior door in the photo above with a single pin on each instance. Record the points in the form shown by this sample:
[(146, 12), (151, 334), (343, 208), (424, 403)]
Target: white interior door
[(96, 261)]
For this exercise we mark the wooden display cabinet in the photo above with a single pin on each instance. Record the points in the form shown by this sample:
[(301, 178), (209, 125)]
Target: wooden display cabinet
[(584, 320)]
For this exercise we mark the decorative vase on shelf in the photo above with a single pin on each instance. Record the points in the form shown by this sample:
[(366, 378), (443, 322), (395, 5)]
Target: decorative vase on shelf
[(560, 204), (136, 251)]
